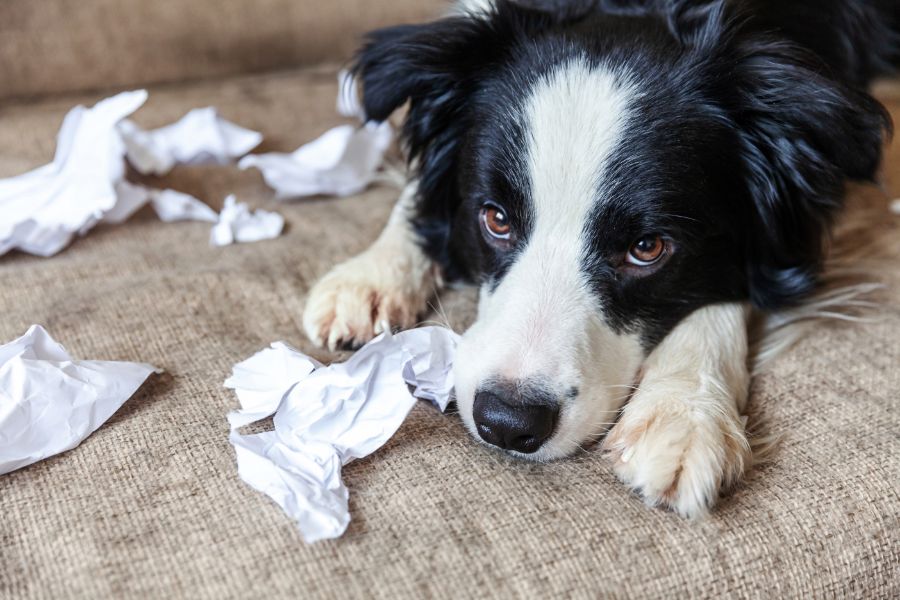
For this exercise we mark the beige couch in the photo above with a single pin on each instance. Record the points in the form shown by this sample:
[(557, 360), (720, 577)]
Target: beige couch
[(151, 505)]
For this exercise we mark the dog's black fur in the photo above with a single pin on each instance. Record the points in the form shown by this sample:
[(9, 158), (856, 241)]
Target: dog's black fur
[(754, 115)]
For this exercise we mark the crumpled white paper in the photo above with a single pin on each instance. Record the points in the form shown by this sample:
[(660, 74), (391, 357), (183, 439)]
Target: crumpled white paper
[(200, 137), (342, 162), (326, 417), (50, 403), (348, 104), (169, 205), (237, 224), (43, 210)]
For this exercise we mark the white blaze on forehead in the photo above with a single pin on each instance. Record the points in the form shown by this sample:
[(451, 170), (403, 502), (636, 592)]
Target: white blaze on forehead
[(543, 322), (543, 306), (575, 117)]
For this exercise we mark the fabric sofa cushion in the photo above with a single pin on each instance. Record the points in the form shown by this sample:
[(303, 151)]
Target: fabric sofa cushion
[(151, 505), (54, 46)]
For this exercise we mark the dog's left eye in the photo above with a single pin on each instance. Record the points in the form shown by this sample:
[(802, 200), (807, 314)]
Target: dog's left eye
[(647, 250), (496, 222)]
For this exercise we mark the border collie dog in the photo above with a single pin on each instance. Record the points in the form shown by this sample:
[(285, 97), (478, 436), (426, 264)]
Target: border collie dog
[(625, 180)]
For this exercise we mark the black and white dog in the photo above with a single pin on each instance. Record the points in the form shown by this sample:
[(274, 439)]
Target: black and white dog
[(624, 179)]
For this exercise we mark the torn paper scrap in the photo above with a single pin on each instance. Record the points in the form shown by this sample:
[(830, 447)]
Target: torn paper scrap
[(237, 224), (348, 104), (325, 417), (50, 403), (261, 381), (200, 137), (342, 162), (41, 211), (130, 199), (169, 205)]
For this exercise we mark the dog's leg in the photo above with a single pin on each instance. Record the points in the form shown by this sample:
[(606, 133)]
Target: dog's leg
[(681, 439), (390, 282)]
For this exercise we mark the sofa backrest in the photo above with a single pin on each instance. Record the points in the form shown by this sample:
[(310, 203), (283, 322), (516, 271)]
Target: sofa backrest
[(59, 46)]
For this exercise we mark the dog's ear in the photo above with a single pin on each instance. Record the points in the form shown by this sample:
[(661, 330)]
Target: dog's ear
[(802, 135), (438, 68), (436, 64), (415, 62)]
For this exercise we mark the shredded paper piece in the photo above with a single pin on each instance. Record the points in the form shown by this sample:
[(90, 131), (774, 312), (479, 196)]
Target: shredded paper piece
[(237, 224), (348, 104), (201, 137), (169, 205), (327, 416), (43, 210), (342, 162), (50, 403)]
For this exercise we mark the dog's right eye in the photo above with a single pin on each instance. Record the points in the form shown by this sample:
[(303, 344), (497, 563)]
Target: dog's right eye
[(495, 223)]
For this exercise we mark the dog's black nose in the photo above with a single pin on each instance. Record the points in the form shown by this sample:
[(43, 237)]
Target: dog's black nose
[(521, 427)]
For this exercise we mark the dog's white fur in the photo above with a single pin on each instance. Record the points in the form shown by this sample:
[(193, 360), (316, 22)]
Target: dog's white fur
[(680, 438), (390, 283), (543, 322)]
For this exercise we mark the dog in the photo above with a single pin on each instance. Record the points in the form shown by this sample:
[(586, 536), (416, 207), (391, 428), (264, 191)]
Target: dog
[(625, 181)]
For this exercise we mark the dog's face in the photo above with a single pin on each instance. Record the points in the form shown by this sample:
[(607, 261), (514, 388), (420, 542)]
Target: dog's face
[(601, 178), (593, 216)]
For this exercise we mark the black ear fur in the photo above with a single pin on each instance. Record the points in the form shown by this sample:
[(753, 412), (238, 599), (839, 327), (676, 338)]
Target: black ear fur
[(413, 62), (562, 10), (437, 67), (433, 66), (802, 135)]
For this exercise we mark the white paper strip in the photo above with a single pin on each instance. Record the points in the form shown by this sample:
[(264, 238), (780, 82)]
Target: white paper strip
[(41, 211), (348, 104), (342, 162), (50, 403), (328, 416), (170, 205), (200, 137)]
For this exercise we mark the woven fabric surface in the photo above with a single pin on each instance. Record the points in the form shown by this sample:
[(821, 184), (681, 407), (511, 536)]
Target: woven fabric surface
[(55, 46), (151, 504)]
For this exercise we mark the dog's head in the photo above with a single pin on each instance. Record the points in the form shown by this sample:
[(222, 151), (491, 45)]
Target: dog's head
[(601, 176)]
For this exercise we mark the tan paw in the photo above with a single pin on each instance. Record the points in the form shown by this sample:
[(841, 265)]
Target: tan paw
[(679, 448), (351, 304)]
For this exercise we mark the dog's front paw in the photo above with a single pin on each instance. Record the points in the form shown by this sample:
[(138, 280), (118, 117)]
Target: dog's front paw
[(678, 448), (351, 304)]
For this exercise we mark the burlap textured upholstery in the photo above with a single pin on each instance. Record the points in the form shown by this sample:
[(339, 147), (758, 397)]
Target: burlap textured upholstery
[(53, 46), (151, 505)]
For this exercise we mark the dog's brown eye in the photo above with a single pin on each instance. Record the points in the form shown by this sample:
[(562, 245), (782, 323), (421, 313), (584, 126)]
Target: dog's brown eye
[(647, 250), (496, 222)]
